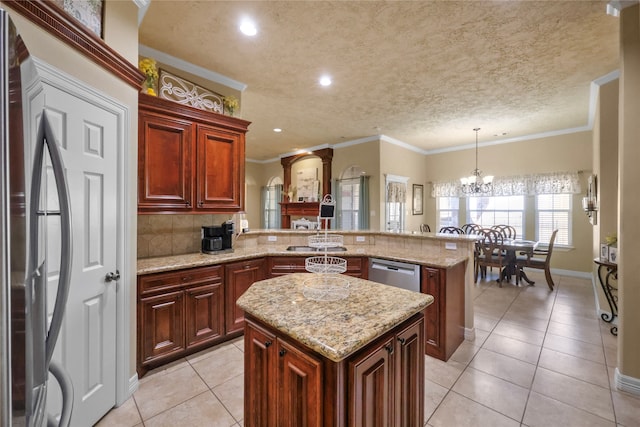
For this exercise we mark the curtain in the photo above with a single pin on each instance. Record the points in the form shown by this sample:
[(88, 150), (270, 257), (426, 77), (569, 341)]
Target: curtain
[(277, 221), (336, 191), (396, 192), (363, 208), (544, 183), (264, 197)]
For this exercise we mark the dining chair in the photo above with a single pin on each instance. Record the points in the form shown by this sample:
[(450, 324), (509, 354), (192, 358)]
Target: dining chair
[(543, 262), (451, 230), (424, 228), (490, 253), (507, 231), (471, 228)]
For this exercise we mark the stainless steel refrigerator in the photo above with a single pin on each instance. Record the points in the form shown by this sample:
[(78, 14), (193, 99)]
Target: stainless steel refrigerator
[(27, 334)]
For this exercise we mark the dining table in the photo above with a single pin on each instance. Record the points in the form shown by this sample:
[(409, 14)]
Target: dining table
[(511, 248)]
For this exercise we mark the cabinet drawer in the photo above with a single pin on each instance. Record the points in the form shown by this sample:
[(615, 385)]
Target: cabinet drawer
[(162, 282), (286, 265)]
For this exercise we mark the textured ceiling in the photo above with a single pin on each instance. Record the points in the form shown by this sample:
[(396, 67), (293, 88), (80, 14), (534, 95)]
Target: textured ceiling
[(422, 72)]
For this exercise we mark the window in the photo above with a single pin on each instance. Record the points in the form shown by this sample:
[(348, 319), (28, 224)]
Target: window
[(493, 210), (349, 203), (448, 208), (271, 195), (395, 202), (553, 212)]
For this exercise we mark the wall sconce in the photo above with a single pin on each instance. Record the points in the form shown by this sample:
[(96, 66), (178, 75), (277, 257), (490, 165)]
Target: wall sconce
[(590, 201)]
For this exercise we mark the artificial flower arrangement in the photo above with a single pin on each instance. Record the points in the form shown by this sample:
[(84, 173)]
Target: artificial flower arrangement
[(611, 239), (230, 104), (149, 68)]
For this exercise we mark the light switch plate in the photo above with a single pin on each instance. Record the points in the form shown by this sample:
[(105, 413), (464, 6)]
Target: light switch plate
[(450, 246), (272, 238)]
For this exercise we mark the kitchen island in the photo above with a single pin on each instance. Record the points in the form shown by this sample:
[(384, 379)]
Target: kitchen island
[(355, 358)]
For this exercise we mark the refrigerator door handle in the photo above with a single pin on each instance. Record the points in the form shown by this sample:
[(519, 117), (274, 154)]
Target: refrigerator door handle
[(46, 138), (66, 386)]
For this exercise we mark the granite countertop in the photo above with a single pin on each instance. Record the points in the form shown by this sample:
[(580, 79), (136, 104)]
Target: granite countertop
[(177, 262), (335, 329)]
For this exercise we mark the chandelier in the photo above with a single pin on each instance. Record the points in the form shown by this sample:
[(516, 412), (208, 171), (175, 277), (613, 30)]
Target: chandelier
[(476, 183)]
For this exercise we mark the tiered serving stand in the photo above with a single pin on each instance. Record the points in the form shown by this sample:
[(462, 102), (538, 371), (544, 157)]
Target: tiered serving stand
[(327, 284)]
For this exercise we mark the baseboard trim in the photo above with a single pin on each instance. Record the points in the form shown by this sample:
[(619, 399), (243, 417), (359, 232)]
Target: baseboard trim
[(470, 334), (572, 273), (627, 383)]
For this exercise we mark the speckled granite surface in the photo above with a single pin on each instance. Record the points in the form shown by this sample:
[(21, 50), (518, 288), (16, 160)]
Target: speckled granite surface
[(334, 329), (176, 262)]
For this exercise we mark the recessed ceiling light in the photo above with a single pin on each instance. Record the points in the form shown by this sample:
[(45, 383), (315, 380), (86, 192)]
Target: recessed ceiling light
[(277, 130), (248, 28), (325, 81)]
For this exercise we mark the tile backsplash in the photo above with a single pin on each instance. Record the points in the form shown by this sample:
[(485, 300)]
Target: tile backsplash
[(164, 235)]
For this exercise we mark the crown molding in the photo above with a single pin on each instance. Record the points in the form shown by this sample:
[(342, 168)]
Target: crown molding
[(615, 6)]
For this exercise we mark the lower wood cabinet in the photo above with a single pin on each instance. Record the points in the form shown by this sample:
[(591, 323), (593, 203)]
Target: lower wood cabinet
[(280, 265), (179, 312), (444, 319), (238, 277), (288, 384)]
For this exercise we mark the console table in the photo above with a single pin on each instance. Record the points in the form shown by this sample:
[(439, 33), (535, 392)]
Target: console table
[(608, 278)]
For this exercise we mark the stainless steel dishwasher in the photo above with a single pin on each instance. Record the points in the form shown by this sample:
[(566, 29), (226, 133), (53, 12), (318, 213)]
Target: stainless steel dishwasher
[(393, 273)]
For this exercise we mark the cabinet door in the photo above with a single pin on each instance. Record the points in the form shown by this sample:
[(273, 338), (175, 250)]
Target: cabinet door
[(204, 313), (259, 377), (162, 326), (434, 312), (220, 170), (409, 377), (299, 387), (165, 162), (372, 392), (239, 276)]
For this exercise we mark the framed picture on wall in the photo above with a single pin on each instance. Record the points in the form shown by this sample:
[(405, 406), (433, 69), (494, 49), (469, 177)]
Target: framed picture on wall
[(418, 192), (87, 13), (604, 252)]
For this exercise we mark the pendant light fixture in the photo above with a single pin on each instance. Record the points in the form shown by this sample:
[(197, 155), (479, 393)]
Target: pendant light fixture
[(476, 183)]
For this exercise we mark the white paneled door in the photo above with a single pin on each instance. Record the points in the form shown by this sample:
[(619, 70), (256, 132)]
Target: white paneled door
[(88, 136)]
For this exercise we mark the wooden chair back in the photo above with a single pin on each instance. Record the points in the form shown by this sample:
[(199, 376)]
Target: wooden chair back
[(424, 228)]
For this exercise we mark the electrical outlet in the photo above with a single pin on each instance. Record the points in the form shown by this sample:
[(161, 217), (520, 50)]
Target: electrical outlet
[(360, 239), (450, 246), (272, 238)]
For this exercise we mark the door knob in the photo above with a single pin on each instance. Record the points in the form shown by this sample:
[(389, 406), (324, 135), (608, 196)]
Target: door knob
[(111, 276)]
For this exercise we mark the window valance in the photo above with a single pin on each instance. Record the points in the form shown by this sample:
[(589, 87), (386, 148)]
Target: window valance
[(545, 183), (396, 192)]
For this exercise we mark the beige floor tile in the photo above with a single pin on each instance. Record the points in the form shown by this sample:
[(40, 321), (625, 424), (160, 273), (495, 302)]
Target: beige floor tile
[(465, 352), (585, 370), (126, 415), (518, 332), (574, 310), (208, 352), (526, 321), (493, 392), (627, 408), (543, 411), (571, 319), (486, 323), (501, 366), (433, 395), (481, 337), (574, 392), (231, 394), (608, 339), (456, 410), (611, 356), (162, 392), (221, 365), (203, 410), (584, 350), (579, 332), (443, 373), (514, 348), (164, 369)]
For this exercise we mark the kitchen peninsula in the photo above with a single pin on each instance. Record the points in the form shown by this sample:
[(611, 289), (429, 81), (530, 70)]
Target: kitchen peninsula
[(356, 359), (188, 302)]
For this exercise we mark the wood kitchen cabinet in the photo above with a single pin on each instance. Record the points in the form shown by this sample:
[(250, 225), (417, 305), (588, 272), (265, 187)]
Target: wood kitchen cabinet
[(189, 160), (239, 276), (279, 265), (381, 384), (444, 319), (179, 312)]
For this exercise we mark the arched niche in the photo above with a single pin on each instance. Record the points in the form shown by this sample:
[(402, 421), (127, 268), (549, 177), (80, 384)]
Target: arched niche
[(292, 208)]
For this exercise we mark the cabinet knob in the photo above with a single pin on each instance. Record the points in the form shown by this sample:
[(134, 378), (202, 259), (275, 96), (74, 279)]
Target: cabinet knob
[(283, 352), (188, 204), (402, 340), (389, 348), (200, 203), (267, 343)]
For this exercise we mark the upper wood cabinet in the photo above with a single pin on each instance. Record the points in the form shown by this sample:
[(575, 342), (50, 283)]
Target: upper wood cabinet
[(189, 160)]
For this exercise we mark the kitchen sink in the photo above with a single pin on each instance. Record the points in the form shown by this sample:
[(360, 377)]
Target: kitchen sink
[(312, 249)]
